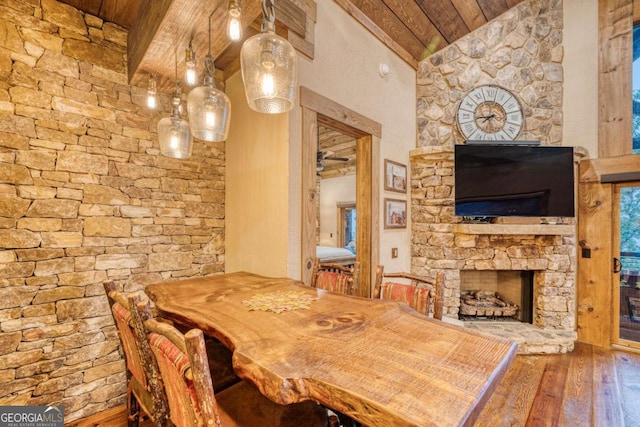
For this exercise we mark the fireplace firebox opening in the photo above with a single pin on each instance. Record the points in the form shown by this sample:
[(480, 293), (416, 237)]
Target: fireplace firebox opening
[(497, 295)]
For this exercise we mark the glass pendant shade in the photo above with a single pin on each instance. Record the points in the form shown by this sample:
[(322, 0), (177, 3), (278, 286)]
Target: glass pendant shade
[(269, 72), (175, 137), (174, 134), (209, 108)]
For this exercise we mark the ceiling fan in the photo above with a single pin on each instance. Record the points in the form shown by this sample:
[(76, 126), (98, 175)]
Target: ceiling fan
[(321, 156)]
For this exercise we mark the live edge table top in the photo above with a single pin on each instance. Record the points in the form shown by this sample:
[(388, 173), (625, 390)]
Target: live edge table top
[(379, 362)]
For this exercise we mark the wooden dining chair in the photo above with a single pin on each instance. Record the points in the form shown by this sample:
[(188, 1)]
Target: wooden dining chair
[(184, 366), (336, 278), (144, 388), (420, 293)]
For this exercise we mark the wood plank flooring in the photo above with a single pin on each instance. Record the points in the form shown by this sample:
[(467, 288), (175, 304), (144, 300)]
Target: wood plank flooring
[(590, 386)]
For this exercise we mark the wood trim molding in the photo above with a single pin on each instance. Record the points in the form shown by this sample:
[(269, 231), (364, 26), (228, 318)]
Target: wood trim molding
[(337, 116), (594, 293), (309, 191), (593, 169), (614, 80)]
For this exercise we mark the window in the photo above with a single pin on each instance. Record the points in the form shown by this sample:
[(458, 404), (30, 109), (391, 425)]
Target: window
[(636, 89), (347, 226)]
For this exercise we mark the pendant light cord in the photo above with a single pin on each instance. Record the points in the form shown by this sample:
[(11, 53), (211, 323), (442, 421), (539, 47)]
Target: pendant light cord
[(209, 66)]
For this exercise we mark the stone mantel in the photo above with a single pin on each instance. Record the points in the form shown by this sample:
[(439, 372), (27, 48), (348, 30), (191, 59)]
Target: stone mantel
[(516, 229)]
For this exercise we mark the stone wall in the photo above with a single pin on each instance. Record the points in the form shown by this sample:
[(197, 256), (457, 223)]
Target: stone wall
[(522, 51), (85, 196)]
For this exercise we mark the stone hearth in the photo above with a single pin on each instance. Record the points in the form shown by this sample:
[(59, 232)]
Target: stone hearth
[(442, 243)]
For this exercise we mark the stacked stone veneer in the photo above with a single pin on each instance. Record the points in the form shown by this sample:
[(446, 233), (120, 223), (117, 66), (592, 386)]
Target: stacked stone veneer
[(85, 196), (521, 51), (441, 243)]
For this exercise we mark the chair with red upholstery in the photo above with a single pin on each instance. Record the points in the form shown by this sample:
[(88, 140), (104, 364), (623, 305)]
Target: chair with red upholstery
[(184, 367), (336, 278), (421, 293), (144, 388)]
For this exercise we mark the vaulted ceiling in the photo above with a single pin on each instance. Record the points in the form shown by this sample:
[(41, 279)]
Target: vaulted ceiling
[(158, 29)]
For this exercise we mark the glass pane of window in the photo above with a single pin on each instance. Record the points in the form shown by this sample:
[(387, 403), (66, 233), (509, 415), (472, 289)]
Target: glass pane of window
[(630, 263), (636, 89)]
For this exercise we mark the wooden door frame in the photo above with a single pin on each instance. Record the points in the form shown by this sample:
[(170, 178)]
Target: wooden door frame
[(316, 109)]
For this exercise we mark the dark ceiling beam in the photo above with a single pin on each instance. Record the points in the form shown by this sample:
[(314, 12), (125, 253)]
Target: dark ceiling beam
[(471, 13), (445, 17), (417, 22), (493, 8)]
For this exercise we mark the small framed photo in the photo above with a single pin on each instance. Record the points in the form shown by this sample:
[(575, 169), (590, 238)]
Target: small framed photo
[(395, 213), (395, 176)]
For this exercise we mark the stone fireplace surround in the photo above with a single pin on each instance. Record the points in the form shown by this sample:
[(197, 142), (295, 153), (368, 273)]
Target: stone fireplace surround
[(442, 243)]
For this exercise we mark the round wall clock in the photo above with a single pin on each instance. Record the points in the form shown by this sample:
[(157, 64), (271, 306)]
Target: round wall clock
[(490, 113)]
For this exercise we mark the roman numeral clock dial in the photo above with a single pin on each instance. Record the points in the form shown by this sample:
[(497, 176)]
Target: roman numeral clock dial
[(490, 113)]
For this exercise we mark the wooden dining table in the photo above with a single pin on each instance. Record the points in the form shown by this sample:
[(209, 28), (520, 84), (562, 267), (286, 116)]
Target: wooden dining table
[(379, 362)]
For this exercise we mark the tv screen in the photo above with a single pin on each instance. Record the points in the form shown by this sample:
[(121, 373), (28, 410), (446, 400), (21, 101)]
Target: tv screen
[(513, 180)]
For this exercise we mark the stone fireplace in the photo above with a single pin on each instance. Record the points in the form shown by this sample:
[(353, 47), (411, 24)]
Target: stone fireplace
[(442, 243)]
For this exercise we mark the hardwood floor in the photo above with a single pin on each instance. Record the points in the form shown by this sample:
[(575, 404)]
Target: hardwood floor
[(590, 386)]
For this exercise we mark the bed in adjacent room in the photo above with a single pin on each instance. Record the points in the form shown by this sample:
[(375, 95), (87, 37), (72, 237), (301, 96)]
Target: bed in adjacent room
[(333, 255)]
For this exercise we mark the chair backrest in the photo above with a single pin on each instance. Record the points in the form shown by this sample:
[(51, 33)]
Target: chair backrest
[(140, 362), (184, 367), (336, 278), (420, 294)]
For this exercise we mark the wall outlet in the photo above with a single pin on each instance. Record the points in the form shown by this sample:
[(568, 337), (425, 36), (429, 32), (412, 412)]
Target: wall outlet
[(394, 252)]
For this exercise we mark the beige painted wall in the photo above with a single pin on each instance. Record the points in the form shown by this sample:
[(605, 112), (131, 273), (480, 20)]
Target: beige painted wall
[(256, 188), (580, 64), (345, 70)]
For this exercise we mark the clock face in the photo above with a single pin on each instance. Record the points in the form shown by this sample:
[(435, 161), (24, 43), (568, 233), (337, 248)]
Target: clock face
[(490, 113)]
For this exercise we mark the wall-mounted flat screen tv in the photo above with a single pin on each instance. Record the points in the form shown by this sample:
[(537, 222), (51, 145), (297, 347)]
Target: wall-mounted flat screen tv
[(514, 180)]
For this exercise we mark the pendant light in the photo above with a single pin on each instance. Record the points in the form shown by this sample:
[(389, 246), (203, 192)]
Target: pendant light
[(234, 26), (152, 93), (190, 74), (173, 132), (209, 108), (269, 67)]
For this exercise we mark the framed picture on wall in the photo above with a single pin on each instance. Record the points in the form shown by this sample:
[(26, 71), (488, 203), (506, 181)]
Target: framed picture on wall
[(395, 213), (395, 176)]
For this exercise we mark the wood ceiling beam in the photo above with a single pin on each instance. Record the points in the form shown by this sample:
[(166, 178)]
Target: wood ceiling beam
[(448, 21), (92, 7), (122, 12), (163, 29), (471, 13), (493, 8), (418, 23)]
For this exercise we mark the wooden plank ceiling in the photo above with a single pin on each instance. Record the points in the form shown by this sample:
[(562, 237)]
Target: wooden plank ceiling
[(414, 29)]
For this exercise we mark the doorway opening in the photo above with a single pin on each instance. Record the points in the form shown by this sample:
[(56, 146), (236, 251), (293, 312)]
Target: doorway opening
[(320, 111)]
